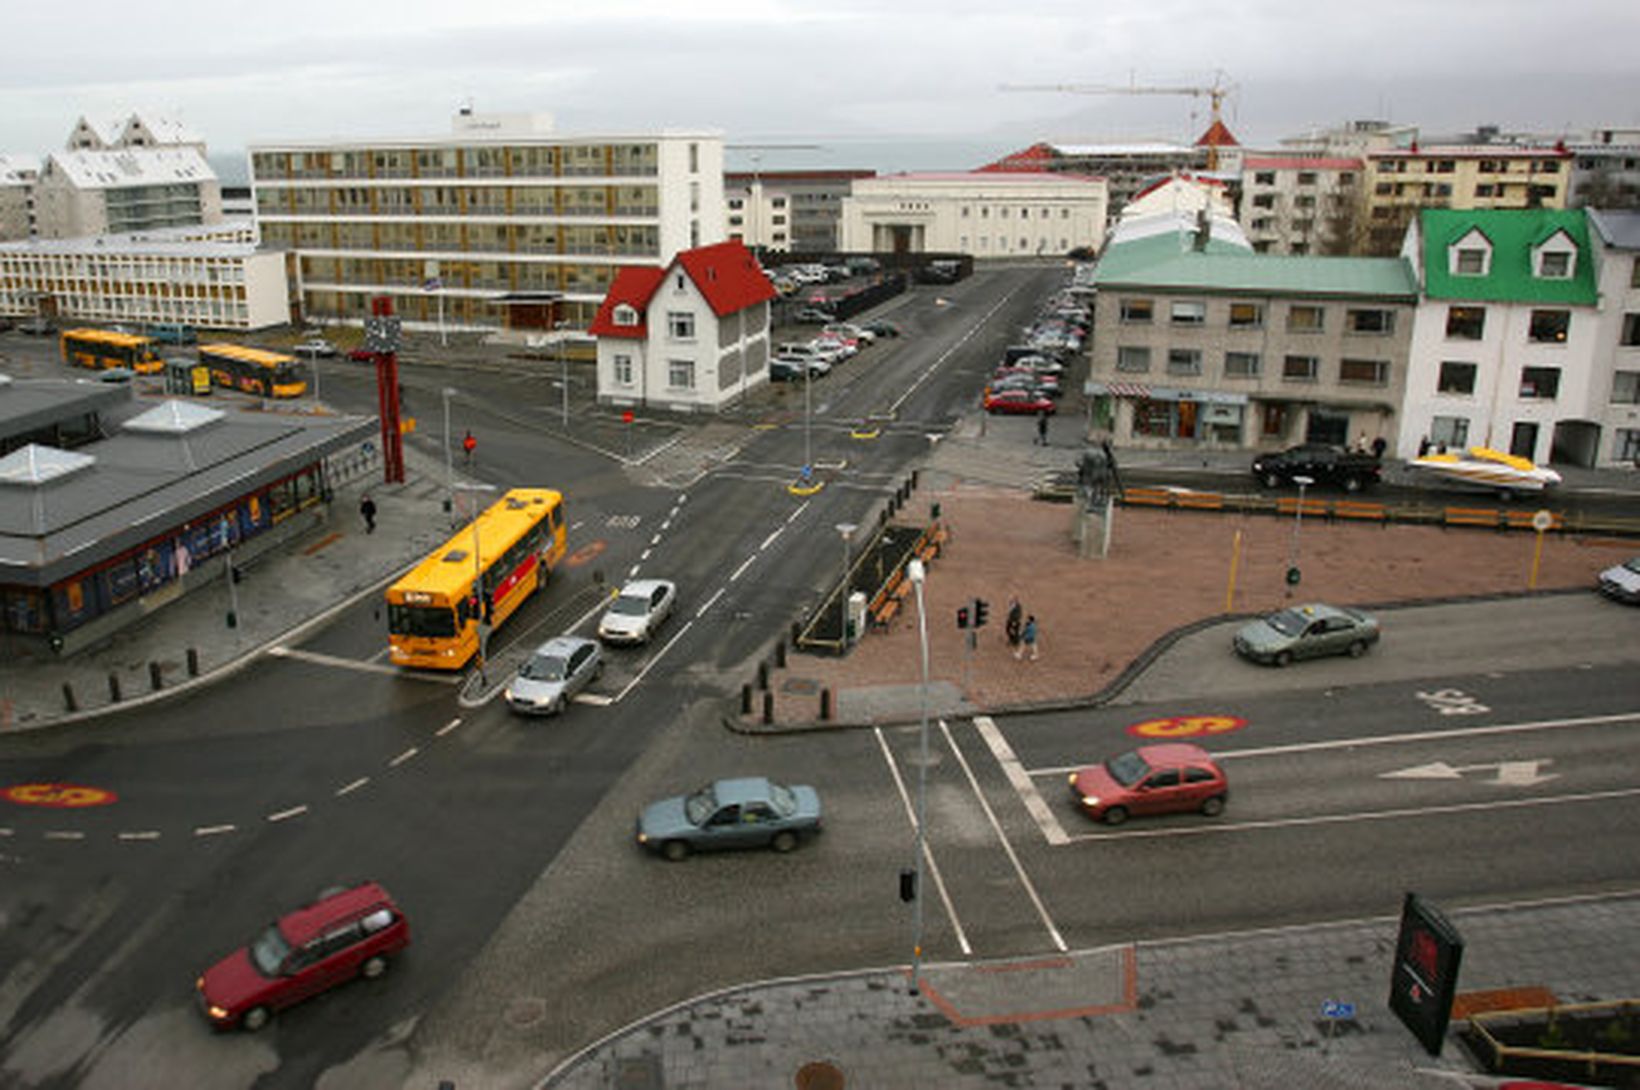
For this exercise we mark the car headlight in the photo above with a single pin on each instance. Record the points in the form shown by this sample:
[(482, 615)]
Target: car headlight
[(643, 837), (1090, 800), (217, 1014)]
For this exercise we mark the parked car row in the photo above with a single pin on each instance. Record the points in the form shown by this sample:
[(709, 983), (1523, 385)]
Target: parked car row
[(1029, 380), (790, 279), (835, 343)]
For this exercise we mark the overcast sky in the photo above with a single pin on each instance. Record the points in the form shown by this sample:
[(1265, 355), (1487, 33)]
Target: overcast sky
[(884, 84)]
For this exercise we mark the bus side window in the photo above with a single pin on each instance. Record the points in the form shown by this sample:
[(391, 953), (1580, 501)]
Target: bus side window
[(464, 611)]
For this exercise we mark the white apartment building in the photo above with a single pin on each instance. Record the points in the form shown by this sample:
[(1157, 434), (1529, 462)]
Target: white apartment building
[(193, 276), (758, 216), (980, 213), (18, 173), (504, 223), (84, 193), (1292, 205), (1616, 239)]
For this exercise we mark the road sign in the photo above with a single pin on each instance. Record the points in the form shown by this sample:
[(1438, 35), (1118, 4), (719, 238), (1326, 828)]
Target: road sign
[(1543, 521), (1337, 1009), (57, 795)]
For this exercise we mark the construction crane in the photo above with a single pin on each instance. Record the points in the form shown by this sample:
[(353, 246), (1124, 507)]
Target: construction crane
[(1215, 95)]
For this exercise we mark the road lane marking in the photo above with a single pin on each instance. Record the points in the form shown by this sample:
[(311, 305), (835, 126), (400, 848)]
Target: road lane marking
[(804, 506), (928, 850), (352, 787), (770, 539), (367, 667), (286, 815), (744, 564), (656, 540), (1366, 815), (597, 700), (403, 757), (214, 830), (1011, 767), (145, 834), (1007, 846), (710, 602), (651, 663), (64, 834), (447, 728)]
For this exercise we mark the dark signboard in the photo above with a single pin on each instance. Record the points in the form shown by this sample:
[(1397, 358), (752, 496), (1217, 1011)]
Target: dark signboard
[(1424, 977)]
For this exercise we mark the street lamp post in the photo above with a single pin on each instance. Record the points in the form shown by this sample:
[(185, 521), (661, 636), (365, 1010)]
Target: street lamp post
[(808, 416), (1293, 574), (915, 571), (846, 529), (449, 466), (478, 581)]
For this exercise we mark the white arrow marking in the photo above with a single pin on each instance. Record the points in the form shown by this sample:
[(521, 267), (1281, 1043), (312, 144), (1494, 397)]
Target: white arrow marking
[(1509, 773)]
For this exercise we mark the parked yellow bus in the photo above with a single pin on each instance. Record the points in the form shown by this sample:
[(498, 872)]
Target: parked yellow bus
[(253, 370), (434, 611), (100, 349)]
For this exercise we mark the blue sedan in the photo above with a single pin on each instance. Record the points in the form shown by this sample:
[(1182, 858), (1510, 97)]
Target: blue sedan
[(749, 812)]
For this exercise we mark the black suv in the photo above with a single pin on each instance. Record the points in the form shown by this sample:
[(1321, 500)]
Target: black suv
[(1322, 463)]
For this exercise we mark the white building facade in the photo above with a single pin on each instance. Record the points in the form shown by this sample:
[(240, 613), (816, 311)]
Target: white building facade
[(979, 213), (1616, 239)]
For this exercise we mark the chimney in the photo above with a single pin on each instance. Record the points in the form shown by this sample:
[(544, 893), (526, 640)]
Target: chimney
[(1204, 229)]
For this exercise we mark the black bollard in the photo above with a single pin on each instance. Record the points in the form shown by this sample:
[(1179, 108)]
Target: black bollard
[(780, 654), (193, 662), (745, 700), (797, 630), (68, 698), (762, 675), (768, 707), (114, 688), (154, 678), (825, 704), (914, 478)]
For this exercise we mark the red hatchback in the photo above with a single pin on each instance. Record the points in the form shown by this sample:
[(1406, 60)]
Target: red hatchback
[(1163, 779), (1017, 401), (344, 934)]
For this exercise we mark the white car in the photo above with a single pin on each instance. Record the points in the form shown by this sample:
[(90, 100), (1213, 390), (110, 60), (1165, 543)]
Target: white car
[(638, 611), (558, 669), (316, 348), (851, 331)]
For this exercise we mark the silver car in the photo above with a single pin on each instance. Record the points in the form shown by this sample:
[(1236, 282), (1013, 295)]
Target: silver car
[(1622, 582), (554, 673), (1306, 632), (638, 611)]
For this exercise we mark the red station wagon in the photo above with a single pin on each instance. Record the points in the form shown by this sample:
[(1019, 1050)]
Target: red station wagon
[(344, 934), (1162, 779)]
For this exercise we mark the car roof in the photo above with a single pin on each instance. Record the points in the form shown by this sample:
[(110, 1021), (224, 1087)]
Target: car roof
[(563, 646), (645, 587), (311, 920), (742, 789), (1175, 753)]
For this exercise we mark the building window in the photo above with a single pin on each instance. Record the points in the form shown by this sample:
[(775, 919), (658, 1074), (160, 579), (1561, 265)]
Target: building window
[(680, 374), (1306, 177), (1539, 383), (1456, 378), (1471, 261), (1306, 319), (1184, 361), (1549, 326), (1137, 311), (1188, 312), (1246, 315), (1364, 372), (1634, 274), (680, 325), (1241, 364), (1449, 431), (1264, 200), (1631, 331), (1554, 265), (1301, 368), (1133, 359), (1626, 388), (626, 314), (1265, 177), (1369, 321), (1465, 323), (623, 370)]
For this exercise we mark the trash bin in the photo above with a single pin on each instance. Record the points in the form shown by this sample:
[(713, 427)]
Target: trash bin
[(856, 616)]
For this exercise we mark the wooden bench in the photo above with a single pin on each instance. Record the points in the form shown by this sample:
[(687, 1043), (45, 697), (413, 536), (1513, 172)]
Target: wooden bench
[(1522, 520), (884, 611), (1147, 497), (1290, 505), (1472, 516), (888, 600), (1357, 509), (1199, 501)]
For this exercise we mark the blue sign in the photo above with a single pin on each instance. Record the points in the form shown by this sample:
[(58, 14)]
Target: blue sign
[(1333, 1008)]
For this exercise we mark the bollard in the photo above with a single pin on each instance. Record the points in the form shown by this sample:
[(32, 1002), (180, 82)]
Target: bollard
[(745, 700), (825, 704), (780, 654), (768, 707), (68, 698), (762, 675), (114, 688), (914, 478), (797, 630), (154, 678), (193, 662)]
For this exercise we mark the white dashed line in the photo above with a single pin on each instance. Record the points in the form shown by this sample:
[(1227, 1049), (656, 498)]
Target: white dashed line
[(6, 832), (146, 834), (645, 555), (596, 700), (804, 506), (286, 815), (710, 602), (64, 834), (770, 539), (665, 526), (214, 830), (678, 635), (447, 728), (403, 757), (742, 569), (633, 574), (654, 541), (352, 787)]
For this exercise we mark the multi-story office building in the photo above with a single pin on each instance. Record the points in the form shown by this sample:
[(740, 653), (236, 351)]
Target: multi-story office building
[(811, 202), (84, 193), (1606, 169), (18, 173), (984, 214), (200, 276), (1200, 342), (1295, 205), (1401, 181), (503, 223)]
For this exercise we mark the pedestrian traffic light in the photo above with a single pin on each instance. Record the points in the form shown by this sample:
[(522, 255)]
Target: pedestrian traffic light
[(982, 610), (962, 616), (908, 885)]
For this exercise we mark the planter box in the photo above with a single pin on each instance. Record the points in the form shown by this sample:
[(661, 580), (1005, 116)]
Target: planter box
[(1595, 1044)]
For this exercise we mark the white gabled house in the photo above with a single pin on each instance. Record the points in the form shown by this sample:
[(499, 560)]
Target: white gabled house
[(690, 337)]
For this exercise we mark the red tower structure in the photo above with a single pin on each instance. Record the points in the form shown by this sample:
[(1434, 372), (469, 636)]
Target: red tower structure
[(382, 337)]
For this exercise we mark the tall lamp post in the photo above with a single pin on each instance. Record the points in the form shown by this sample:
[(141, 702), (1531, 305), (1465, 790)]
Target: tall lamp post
[(478, 579), (846, 529), (917, 573), (449, 466), (563, 366)]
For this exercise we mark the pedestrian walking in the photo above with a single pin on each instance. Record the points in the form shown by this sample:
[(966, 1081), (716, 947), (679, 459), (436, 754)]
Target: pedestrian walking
[(1027, 640), (1016, 618), (1379, 445), (468, 445), (367, 508), (1042, 427)]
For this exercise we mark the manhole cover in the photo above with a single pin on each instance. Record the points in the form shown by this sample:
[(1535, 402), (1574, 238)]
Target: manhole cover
[(800, 686), (819, 1075)]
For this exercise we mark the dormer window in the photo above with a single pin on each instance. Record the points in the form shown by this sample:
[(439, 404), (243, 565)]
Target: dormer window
[(1471, 255), (626, 314), (1555, 258)]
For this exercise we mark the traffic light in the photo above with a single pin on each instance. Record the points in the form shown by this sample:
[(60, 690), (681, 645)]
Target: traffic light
[(908, 885), (982, 610), (962, 616)]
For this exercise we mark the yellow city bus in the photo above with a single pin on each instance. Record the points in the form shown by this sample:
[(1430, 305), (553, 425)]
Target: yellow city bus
[(100, 349), (253, 370), (434, 611)]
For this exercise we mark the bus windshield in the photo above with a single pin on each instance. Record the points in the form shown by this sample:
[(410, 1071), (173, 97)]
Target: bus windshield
[(429, 621)]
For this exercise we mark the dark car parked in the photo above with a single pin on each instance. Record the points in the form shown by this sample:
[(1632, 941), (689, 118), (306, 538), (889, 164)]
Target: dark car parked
[(1321, 463)]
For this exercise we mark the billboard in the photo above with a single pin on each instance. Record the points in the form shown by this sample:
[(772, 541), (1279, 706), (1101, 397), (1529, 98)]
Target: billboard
[(1424, 977)]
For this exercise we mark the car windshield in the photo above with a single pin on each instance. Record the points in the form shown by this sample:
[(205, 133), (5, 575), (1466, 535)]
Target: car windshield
[(631, 605), (544, 668), (1128, 769), (1633, 565), (1288, 622), (782, 799), (269, 951), (700, 806)]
